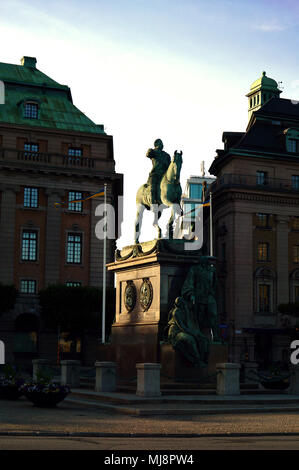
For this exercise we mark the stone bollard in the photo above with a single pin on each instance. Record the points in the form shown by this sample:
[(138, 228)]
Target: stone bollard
[(105, 376), (40, 365), (148, 379), (250, 377), (70, 373), (294, 381), (228, 379)]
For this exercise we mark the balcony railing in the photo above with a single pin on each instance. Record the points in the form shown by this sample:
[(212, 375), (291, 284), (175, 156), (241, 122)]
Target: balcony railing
[(49, 159), (252, 182)]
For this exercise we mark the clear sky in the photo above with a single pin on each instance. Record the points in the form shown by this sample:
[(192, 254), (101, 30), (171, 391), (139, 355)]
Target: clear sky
[(174, 69)]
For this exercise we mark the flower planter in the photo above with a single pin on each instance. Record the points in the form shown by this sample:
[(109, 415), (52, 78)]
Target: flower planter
[(276, 385), (45, 394), (45, 399)]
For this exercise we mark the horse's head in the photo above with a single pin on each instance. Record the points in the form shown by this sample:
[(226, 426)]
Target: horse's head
[(178, 160)]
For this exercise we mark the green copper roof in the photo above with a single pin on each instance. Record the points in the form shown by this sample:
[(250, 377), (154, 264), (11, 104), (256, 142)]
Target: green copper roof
[(265, 83), (29, 75), (55, 107)]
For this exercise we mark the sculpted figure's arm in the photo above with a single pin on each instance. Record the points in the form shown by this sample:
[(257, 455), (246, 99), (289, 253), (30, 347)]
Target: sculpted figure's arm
[(150, 153)]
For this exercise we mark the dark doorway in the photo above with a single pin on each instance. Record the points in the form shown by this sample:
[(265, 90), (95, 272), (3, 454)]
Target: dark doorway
[(263, 350)]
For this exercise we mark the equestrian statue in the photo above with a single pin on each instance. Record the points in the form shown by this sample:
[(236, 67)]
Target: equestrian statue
[(162, 190)]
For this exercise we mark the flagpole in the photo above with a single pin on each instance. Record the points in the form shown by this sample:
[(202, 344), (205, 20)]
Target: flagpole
[(104, 265), (211, 226)]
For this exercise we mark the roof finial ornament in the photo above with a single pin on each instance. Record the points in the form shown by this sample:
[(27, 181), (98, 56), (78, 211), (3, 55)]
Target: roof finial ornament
[(264, 73)]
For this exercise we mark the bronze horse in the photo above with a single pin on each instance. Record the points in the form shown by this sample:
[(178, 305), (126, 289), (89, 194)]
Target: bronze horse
[(170, 196)]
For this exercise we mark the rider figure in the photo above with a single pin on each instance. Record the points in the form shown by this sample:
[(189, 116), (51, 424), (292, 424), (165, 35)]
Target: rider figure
[(160, 161)]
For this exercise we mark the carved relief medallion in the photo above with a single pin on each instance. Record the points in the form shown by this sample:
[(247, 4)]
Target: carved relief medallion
[(130, 296), (146, 294)]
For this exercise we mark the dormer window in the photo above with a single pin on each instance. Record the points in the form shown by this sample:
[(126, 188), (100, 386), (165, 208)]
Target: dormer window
[(292, 140), (31, 110), (292, 145)]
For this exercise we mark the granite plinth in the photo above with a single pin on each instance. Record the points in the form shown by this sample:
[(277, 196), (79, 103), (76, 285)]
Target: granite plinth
[(149, 277), (176, 367)]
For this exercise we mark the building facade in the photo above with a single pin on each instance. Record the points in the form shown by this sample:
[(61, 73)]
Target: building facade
[(50, 153), (256, 227)]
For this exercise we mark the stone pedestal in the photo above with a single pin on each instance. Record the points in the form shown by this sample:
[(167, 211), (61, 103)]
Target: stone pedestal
[(149, 277), (148, 380), (70, 373), (228, 379), (105, 376), (176, 367)]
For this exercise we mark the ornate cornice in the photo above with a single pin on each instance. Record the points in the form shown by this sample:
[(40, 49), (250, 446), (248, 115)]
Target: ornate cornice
[(232, 195)]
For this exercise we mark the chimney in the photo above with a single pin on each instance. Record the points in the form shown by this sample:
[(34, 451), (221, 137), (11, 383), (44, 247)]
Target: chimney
[(28, 62)]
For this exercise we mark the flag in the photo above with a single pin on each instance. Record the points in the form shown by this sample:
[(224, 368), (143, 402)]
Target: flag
[(204, 204), (100, 193)]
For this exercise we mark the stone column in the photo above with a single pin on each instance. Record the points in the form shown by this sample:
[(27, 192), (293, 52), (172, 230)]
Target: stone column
[(282, 259), (70, 373), (7, 233), (53, 238), (228, 379), (105, 376), (41, 365), (148, 379)]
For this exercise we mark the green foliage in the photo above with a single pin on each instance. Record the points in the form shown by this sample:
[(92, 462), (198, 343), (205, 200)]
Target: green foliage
[(43, 377), (75, 308), (289, 309), (8, 295)]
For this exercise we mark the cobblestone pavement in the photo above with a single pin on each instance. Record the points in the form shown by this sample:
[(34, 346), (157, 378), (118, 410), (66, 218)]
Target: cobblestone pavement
[(21, 416)]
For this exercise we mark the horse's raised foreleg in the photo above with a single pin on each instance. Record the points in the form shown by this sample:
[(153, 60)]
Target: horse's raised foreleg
[(176, 212), (138, 221), (157, 214)]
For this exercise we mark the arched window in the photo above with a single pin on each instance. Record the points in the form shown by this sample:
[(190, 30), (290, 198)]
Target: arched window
[(30, 110), (264, 291)]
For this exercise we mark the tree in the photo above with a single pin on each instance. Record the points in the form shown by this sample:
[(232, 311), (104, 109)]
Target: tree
[(8, 295), (75, 308)]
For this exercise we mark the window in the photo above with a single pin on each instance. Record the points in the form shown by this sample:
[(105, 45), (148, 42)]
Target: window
[(296, 254), (264, 298), (292, 145), (195, 191), (31, 110), (73, 284), (75, 206), (295, 181), (30, 197), (261, 177), (263, 220), (74, 248), (263, 251), (29, 245), (30, 151), (28, 286), (295, 223), (74, 152), (296, 294)]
